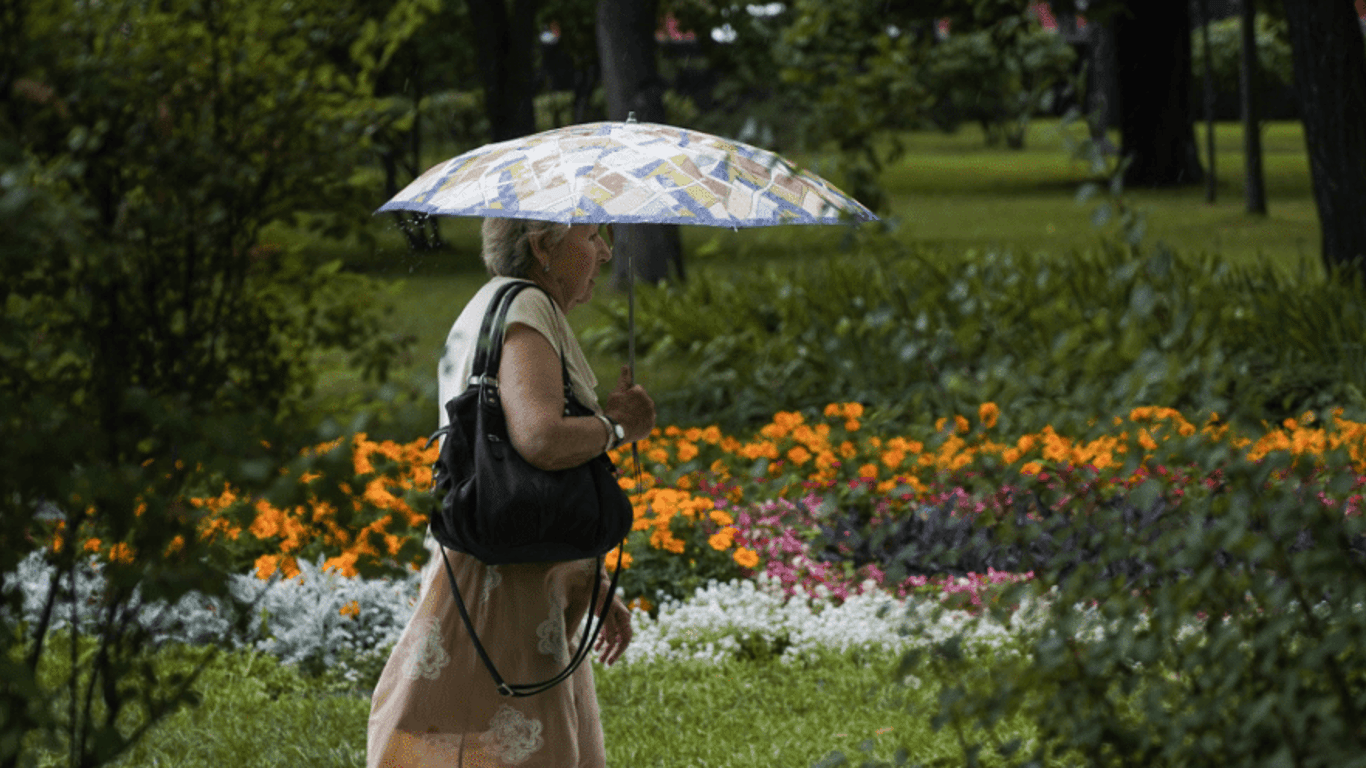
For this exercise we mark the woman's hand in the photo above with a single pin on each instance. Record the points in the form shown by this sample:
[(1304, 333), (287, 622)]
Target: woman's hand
[(631, 407), (616, 632)]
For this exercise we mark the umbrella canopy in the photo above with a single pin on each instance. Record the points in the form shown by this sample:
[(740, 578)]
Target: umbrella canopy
[(628, 173)]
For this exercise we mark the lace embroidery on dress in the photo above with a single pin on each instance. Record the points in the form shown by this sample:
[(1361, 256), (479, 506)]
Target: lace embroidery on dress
[(492, 578), (427, 659), (512, 737), (551, 634)]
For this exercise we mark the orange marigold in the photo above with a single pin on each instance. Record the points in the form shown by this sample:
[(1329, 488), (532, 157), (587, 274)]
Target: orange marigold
[(746, 558), (987, 413), (721, 540)]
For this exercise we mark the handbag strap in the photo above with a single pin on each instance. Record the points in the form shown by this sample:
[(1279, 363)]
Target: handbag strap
[(487, 355), (590, 632), (489, 351)]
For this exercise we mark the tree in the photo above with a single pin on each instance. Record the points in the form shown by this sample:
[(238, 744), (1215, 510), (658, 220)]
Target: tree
[(1250, 82), (1156, 118), (151, 346), (505, 40), (1330, 81), (630, 75)]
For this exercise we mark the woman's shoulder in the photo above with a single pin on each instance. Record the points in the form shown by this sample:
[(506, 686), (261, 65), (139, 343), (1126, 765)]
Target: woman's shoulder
[(534, 307)]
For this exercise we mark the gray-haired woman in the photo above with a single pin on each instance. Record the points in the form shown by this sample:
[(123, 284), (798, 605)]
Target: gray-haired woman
[(435, 703)]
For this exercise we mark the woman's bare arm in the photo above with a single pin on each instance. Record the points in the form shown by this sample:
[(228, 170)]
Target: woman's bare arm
[(532, 389)]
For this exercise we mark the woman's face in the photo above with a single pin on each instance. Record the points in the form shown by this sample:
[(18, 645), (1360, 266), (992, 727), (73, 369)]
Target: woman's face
[(574, 264)]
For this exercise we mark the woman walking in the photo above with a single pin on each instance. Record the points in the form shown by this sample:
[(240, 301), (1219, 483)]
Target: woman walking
[(436, 703)]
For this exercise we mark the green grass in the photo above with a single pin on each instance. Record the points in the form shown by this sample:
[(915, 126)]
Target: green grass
[(256, 713)]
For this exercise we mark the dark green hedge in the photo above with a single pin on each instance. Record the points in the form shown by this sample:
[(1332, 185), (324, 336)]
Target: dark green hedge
[(1051, 339)]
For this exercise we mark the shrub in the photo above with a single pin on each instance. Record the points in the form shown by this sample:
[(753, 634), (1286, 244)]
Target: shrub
[(1052, 340), (999, 80), (1238, 641)]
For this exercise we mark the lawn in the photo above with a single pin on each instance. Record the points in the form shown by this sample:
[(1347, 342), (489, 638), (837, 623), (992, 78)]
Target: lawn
[(256, 713)]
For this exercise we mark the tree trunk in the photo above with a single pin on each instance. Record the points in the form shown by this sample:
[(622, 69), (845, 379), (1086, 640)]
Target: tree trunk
[(626, 53), (1330, 82), (1254, 185), (1211, 180), (1153, 47), (1102, 93), (506, 39)]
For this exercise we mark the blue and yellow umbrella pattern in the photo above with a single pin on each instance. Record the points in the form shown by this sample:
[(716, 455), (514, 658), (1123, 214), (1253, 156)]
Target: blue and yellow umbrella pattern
[(628, 173)]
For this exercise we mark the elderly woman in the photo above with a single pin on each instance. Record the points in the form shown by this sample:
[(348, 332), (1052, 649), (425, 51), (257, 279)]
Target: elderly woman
[(436, 704)]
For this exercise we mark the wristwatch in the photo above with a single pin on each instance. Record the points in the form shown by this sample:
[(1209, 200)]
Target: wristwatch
[(615, 432), (618, 431)]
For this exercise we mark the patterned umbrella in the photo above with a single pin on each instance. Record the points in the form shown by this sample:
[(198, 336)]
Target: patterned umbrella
[(628, 173)]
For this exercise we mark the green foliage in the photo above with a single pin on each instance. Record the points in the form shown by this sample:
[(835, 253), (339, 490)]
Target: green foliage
[(1237, 643), (151, 346), (1000, 77), (1058, 340), (1225, 40)]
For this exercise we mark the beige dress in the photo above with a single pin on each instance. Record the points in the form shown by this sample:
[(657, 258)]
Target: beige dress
[(435, 703)]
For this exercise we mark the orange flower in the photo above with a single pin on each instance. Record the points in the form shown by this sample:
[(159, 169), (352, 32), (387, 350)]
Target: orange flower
[(610, 559), (686, 452), (987, 413), (344, 564), (722, 540), (746, 558), (121, 553), (868, 471), (350, 609), (799, 455), (92, 545)]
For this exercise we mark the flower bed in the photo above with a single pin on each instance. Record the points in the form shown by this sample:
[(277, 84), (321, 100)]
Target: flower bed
[(803, 501)]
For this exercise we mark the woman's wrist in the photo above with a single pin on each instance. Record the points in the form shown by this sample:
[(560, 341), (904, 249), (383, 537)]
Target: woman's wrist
[(611, 427)]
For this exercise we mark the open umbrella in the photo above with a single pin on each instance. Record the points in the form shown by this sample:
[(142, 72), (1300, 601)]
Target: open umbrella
[(628, 172)]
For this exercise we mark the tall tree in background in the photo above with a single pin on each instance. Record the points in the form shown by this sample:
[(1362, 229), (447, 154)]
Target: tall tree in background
[(630, 76), (1249, 83), (505, 38), (1330, 81), (1153, 46)]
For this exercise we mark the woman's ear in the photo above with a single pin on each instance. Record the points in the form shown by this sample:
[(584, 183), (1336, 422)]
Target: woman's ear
[(538, 249)]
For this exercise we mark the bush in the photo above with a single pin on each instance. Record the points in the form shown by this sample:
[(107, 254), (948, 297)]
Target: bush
[(1237, 642), (1275, 73), (1052, 340), (999, 80)]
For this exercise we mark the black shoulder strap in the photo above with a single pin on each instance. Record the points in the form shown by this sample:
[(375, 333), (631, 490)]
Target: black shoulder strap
[(490, 339), (490, 349)]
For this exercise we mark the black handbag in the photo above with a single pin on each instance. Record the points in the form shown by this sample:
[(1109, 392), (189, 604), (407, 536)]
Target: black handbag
[(498, 508)]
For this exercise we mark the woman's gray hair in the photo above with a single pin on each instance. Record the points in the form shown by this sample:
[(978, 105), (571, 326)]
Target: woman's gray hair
[(507, 244)]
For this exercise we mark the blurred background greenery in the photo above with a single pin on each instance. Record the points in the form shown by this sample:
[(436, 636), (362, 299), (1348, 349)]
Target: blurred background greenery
[(196, 287)]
